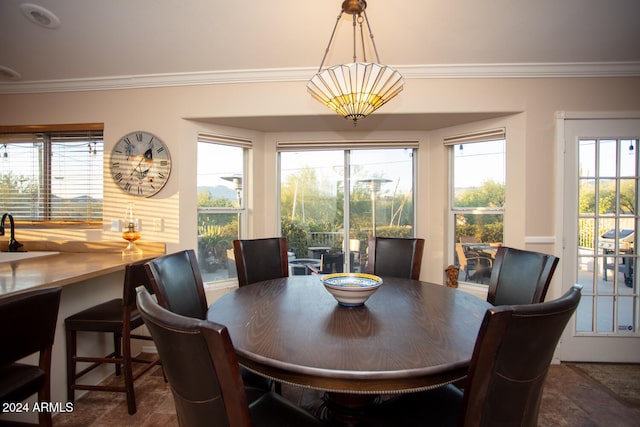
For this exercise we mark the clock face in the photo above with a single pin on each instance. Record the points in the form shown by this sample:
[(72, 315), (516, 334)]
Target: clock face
[(140, 164)]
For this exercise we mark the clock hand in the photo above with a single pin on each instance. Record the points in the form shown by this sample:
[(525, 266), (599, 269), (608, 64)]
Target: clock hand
[(141, 173), (137, 166)]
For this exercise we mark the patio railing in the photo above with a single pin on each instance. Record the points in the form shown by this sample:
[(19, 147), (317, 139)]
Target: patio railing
[(332, 239)]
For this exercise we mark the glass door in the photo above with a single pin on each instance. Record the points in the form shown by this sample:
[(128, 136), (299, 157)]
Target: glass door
[(320, 215), (601, 223)]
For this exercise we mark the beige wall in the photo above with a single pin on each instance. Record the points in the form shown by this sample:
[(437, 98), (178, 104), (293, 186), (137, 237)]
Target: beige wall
[(529, 107)]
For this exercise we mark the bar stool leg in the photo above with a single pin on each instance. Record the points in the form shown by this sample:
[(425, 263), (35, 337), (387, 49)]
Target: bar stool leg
[(117, 351), (128, 374), (71, 365)]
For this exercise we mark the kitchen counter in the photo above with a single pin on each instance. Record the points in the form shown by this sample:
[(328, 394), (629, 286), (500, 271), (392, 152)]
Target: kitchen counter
[(73, 262), (89, 273)]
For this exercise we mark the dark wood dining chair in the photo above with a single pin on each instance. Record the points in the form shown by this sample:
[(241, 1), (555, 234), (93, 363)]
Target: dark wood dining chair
[(118, 317), (520, 276), (261, 259), (28, 320), (203, 372), (395, 256), (509, 365), (177, 282)]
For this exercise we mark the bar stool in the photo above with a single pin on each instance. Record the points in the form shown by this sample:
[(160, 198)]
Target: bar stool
[(118, 317), (29, 322)]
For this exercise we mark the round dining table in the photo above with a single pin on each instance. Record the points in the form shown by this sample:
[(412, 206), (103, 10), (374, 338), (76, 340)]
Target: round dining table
[(408, 336)]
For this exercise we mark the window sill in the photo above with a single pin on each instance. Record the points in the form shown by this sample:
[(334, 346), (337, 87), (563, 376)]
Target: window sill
[(215, 290), (474, 289)]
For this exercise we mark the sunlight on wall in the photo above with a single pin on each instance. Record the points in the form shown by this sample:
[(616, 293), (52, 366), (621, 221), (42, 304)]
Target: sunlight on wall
[(159, 217)]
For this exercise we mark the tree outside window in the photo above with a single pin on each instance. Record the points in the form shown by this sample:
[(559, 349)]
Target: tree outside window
[(53, 177), (318, 215), (477, 207), (221, 210)]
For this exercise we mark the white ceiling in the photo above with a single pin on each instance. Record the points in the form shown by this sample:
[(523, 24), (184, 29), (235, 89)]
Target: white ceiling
[(168, 41)]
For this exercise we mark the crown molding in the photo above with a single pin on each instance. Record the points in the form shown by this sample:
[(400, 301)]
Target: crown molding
[(443, 71), (524, 70)]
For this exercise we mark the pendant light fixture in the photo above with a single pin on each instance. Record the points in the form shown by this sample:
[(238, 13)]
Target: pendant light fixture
[(356, 89)]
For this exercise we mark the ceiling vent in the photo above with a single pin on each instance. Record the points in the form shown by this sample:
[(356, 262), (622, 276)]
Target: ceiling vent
[(40, 16)]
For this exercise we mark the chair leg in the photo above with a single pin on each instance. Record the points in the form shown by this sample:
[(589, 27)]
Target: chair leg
[(44, 417), (44, 394), (71, 365), (128, 375), (117, 350)]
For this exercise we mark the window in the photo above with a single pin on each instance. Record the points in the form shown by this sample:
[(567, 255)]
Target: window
[(221, 208), (607, 223), (52, 176), (477, 201), (318, 214)]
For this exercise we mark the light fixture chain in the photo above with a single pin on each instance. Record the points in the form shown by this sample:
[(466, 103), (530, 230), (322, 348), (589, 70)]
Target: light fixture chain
[(364, 50), (326, 52), (373, 42), (355, 56)]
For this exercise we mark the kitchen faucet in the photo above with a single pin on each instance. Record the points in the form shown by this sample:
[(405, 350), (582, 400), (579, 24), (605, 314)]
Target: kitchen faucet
[(14, 245)]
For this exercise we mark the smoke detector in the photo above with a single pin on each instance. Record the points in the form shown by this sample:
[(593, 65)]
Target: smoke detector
[(40, 16)]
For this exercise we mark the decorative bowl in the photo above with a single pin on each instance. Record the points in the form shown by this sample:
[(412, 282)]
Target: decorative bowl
[(351, 289)]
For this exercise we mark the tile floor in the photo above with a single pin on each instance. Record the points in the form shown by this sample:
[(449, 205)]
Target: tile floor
[(571, 398)]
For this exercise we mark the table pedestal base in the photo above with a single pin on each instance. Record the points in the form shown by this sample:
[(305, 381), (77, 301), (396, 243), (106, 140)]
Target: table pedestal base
[(344, 408)]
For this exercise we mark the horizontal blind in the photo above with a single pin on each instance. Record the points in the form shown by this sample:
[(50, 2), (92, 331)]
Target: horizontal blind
[(480, 136), (343, 145), (52, 176), (225, 140)]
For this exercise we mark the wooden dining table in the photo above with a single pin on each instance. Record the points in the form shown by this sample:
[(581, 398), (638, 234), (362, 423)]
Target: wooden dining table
[(408, 336)]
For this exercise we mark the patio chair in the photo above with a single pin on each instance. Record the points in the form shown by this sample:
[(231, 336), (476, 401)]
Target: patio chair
[(475, 267), (329, 263)]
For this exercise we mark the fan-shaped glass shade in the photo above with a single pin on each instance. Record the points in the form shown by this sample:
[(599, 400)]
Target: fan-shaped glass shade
[(357, 89)]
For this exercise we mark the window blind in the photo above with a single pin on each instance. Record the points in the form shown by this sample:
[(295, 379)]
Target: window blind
[(225, 140), (343, 145), (480, 136), (52, 176)]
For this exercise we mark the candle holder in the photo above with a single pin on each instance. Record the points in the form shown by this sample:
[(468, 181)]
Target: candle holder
[(131, 235)]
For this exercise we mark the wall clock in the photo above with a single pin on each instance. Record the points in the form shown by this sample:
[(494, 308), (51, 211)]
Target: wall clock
[(140, 164)]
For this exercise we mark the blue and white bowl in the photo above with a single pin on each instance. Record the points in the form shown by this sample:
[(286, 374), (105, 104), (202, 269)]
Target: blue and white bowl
[(351, 289)]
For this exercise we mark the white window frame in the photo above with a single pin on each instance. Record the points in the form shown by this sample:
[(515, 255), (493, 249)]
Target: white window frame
[(48, 135), (347, 147), (452, 142), (242, 209)]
